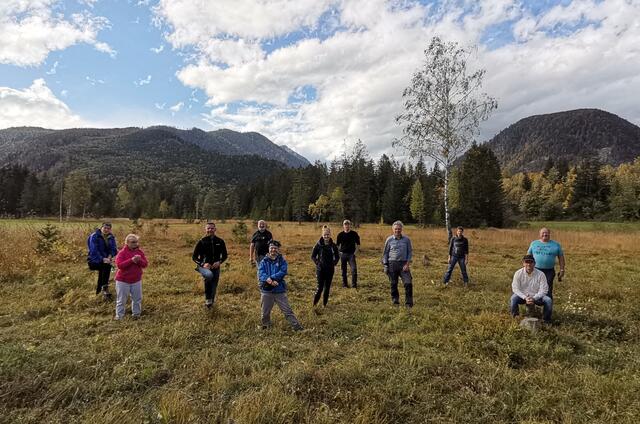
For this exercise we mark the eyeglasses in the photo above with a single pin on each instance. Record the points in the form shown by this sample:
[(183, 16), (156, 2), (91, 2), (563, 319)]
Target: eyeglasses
[(529, 262)]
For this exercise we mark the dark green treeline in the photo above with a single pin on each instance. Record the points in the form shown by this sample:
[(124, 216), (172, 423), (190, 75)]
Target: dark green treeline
[(353, 186)]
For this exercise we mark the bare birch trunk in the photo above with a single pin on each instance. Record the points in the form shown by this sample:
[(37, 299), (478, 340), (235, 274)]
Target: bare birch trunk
[(446, 201)]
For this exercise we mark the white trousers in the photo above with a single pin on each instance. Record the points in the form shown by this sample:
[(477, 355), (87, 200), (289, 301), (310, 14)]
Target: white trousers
[(123, 290)]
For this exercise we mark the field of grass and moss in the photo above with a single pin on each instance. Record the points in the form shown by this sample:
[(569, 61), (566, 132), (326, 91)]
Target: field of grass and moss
[(456, 357)]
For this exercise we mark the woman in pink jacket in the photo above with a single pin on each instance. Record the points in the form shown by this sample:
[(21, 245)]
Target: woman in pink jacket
[(130, 262)]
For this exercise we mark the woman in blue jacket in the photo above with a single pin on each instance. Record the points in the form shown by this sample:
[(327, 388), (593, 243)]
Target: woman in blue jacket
[(273, 289), (102, 251)]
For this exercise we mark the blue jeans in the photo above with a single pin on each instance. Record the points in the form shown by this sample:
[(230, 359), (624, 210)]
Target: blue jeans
[(211, 277), (452, 264), (550, 273), (546, 302)]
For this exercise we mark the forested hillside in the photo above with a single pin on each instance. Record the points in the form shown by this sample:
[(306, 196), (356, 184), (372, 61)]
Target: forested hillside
[(570, 136)]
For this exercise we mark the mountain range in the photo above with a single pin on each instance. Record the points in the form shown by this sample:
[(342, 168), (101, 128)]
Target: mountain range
[(225, 156), (569, 136), (222, 156)]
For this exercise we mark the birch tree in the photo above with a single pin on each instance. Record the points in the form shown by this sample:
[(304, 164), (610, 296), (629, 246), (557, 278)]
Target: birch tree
[(443, 108)]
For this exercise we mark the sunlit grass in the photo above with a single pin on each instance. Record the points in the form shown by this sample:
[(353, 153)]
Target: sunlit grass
[(455, 357)]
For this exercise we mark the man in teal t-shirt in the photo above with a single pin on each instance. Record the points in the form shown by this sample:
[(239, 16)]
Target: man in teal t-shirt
[(544, 252)]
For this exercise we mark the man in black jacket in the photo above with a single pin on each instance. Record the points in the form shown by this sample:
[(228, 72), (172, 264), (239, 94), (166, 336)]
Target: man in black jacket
[(348, 242), (210, 252), (458, 254), (259, 246)]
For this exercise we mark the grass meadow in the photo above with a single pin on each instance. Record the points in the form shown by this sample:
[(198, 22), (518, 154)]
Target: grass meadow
[(456, 357)]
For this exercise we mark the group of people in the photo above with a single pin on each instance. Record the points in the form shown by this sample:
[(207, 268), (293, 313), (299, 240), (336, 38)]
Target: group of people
[(531, 285)]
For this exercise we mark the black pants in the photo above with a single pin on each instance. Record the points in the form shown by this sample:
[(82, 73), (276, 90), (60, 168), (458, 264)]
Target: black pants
[(394, 272), (104, 272), (550, 273), (324, 277), (349, 258)]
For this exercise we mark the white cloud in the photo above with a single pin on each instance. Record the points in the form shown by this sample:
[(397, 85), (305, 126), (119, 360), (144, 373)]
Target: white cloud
[(54, 69), (89, 3), (160, 106), (157, 50), (583, 54), (231, 52), (35, 106), (105, 48), (195, 21), (93, 81), (177, 107), (143, 81), (30, 31)]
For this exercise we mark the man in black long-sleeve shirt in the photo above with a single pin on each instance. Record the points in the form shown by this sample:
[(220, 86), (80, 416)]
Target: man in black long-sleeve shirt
[(458, 254), (348, 242), (210, 252)]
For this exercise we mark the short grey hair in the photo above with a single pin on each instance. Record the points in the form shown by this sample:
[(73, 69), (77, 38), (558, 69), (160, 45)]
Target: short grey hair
[(397, 223), (346, 221), (131, 237)]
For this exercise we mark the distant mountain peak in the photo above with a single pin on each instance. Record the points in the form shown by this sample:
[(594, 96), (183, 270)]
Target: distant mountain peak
[(570, 135), (234, 143)]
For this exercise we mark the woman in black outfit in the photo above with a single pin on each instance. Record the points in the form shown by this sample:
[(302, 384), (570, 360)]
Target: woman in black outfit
[(325, 255)]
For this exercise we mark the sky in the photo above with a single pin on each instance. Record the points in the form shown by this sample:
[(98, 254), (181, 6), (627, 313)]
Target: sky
[(316, 75)]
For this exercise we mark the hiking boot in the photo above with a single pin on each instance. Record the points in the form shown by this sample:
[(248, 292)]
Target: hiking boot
[(106, 296), (208, 303)]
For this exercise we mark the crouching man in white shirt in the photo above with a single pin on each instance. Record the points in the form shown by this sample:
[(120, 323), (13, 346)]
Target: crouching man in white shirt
[(530, 287)]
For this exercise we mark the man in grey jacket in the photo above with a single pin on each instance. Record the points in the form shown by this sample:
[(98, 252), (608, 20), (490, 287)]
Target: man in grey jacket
[(396, 259)]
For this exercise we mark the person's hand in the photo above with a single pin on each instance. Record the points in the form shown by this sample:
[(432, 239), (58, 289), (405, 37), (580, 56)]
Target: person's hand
[(216, 265), (560, 275), (136, 259), (386, 269), (206, 266), (529, 300), (272, 282), (449, 260), (405, 268), (106, 260)]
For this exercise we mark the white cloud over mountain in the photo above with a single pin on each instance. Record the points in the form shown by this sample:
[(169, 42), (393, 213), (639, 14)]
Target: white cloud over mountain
[(584, 54), (314, 73), (35, 106)]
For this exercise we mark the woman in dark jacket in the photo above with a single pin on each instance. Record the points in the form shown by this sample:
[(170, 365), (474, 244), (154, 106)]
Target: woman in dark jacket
[(325, 255), (102, 251)]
